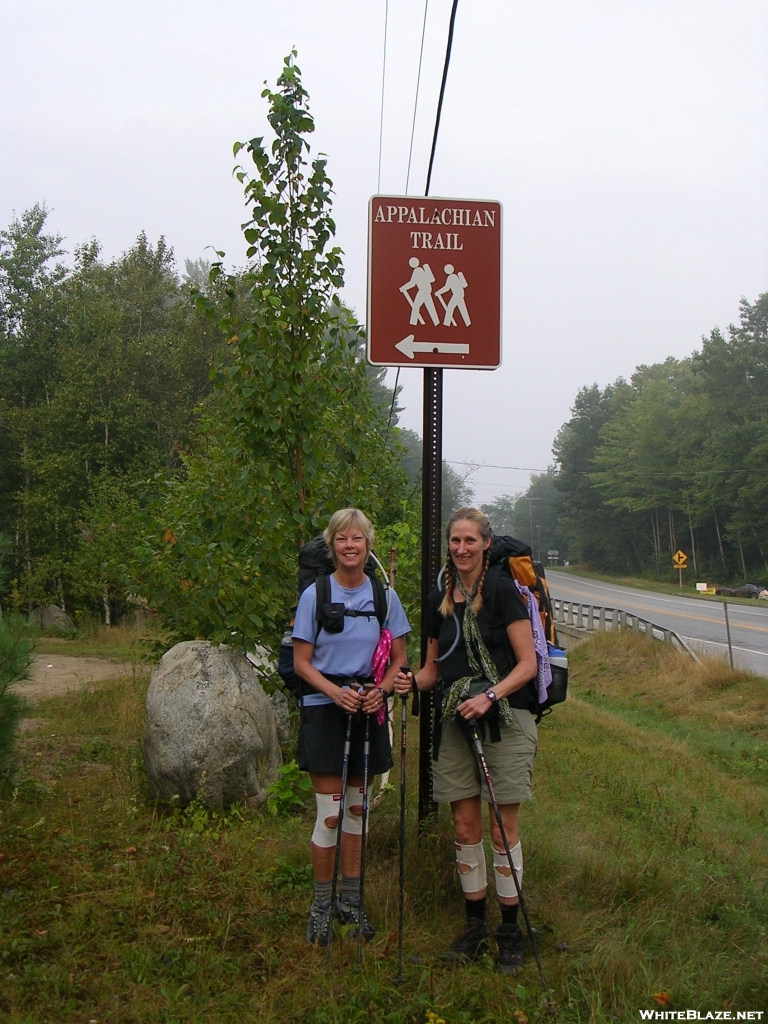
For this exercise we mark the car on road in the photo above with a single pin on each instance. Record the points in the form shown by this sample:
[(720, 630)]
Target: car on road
[(746, 590)]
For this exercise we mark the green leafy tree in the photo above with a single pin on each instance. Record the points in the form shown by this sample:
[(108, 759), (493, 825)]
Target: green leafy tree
[(101, 370), (291, 432), (104, 562), (28, 364), (637, 463), (595, 533), (730, 481), (501, 513)]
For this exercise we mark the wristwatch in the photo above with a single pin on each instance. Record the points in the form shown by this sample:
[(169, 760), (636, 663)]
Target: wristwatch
[(491, 696)]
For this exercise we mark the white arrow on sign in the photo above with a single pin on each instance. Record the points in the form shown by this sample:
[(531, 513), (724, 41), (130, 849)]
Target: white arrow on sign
[(408, 346)]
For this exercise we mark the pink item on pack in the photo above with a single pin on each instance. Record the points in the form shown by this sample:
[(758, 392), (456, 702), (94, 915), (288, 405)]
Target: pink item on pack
[(379, 664)]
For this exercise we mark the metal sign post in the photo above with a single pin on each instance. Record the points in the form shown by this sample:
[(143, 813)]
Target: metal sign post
[(728, 633), (434, 300), (680, 562), (431, 520)]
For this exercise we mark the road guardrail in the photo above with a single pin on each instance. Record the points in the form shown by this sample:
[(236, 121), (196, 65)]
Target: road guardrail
[(594, 618)]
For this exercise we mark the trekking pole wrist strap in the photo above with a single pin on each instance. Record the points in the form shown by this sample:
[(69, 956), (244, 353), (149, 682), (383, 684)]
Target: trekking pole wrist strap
[(416, 706)]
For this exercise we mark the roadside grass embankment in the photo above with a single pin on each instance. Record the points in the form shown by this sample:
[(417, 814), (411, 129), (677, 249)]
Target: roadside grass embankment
[(645, 871)]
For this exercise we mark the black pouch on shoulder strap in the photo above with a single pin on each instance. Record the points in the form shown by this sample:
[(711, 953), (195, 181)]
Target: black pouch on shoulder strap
[(332, 617)]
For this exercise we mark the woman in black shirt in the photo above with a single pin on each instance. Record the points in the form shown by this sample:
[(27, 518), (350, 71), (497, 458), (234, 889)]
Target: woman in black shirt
[(484, 660)]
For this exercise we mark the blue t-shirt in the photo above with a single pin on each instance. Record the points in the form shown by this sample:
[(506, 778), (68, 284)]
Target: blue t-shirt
[(348, 653)]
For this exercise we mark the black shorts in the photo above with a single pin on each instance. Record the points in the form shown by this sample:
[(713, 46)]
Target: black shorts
[(321, 742)]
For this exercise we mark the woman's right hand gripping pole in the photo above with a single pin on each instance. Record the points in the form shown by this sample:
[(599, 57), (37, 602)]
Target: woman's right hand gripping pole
[(424, 679)]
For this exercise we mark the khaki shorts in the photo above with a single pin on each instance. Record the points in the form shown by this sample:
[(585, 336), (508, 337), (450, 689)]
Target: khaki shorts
[(456, 773)]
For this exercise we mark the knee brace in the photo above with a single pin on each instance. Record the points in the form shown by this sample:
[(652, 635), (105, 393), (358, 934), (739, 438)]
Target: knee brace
[(327, 809), (352, 823), (505, 883), (470, 860)]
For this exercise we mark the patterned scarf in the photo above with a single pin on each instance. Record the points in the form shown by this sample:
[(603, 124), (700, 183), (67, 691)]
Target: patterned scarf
[(480, 662)]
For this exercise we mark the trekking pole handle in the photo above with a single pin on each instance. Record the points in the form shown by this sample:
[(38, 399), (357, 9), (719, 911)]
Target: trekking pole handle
[(406, 670), (361, 692)]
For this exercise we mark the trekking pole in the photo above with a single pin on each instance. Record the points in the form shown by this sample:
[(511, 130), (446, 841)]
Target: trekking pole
[(403, 719), (549, 1002), (366, 753), (337, 853)]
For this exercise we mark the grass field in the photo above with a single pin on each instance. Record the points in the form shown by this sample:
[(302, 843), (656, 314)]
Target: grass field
[(645, 872), (92, 640)]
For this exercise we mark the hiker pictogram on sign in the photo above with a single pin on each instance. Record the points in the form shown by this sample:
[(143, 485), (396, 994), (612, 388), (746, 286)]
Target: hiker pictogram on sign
[(455, 284), (422, 280), (423, 311)]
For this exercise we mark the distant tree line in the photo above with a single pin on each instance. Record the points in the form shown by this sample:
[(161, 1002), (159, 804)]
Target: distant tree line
[(101, 368), (675, 458)]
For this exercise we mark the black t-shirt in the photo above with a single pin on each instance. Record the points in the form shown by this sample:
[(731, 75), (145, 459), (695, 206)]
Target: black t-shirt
[(509, 607)]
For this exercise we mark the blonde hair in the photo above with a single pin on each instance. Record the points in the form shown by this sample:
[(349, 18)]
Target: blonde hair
[(481, 521), (343, 520)]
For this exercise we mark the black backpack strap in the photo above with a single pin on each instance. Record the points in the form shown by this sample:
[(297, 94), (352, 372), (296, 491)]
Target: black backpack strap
[(491, 595), (322, 596), (379, 600), (491, 583)]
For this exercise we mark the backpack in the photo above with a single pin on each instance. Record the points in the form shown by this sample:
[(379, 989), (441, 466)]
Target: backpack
[(316, 566), (516, 558), (513, 557)]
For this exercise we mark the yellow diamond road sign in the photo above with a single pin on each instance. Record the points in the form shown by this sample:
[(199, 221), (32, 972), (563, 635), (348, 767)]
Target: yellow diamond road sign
[(679, 559)]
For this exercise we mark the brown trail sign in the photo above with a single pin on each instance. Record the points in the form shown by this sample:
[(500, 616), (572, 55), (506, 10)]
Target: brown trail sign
[(434, 283), (434, 300)]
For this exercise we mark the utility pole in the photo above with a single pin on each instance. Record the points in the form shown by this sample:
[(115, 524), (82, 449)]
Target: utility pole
[(530, 501)]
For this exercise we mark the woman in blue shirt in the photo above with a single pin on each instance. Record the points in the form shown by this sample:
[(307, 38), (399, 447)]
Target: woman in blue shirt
[(337, 670)]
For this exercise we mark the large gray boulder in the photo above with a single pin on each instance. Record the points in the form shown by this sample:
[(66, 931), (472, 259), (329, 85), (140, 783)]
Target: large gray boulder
[(263, 662), (210, 730), (50, 616)]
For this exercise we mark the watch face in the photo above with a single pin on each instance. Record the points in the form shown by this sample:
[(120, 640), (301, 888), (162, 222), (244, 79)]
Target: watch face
[(490, 695)]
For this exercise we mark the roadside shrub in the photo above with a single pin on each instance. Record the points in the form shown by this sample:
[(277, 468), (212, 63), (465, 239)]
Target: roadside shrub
[(15, 657)]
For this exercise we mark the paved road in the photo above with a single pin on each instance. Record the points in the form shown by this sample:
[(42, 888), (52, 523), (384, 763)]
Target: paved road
[(701, 623)]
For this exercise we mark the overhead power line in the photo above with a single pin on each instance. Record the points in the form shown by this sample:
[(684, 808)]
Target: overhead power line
[(442, 94), (416, 97), (446, 63), (408, 173), (383, 77), (490, 465), (645, 472)]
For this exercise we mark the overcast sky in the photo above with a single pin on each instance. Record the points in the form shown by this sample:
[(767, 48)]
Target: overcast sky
[(626, 139)]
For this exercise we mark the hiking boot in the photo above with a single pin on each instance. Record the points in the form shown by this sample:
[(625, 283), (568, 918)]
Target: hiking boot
[(351, 912), (320, 923), (470, 945), (509, 938)]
